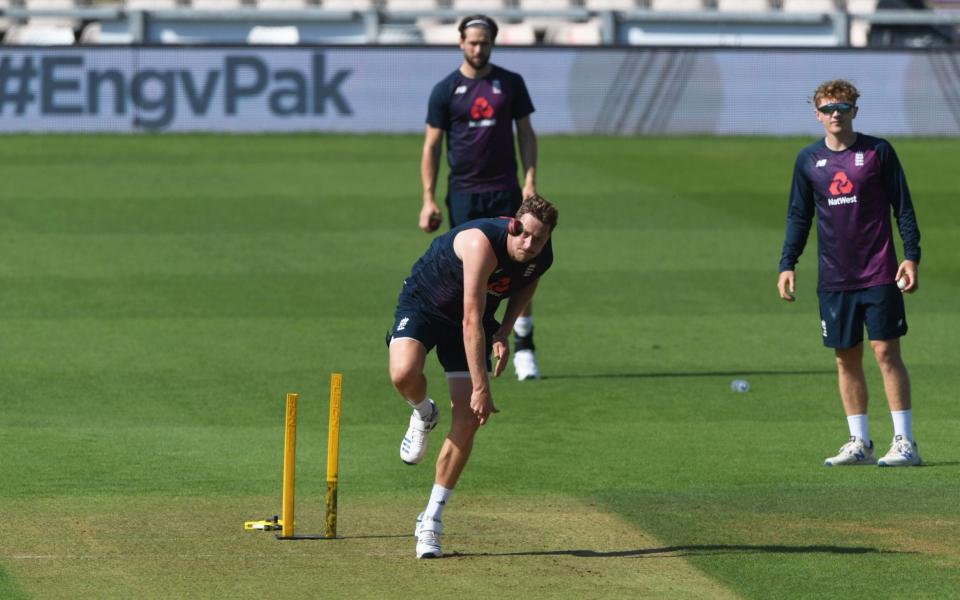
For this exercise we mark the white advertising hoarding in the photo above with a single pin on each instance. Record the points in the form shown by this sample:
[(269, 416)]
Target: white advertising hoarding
[(623, 91)]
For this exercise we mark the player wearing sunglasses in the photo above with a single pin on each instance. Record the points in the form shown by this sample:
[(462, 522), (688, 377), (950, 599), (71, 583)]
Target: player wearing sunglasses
[(852, 182)]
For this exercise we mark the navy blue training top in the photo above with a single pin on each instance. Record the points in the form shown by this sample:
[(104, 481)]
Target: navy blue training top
[(477, 116), (436, 280), (852, 193)]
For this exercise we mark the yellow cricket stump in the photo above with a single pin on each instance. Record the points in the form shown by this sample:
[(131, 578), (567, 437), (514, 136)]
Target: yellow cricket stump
[(286, 521), (287, 512), (333, 453)]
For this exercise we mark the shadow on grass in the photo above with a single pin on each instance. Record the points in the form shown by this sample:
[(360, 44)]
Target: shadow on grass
[(686, 374), (695, 550), (320, 536)]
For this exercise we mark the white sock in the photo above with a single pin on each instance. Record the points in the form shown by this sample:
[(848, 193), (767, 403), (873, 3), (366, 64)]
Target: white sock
[(858, 427), (424, 409), (438, 500), (523, 326), (903, 423)]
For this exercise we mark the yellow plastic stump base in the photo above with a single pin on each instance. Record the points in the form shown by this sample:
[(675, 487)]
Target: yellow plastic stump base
[(274, 524)]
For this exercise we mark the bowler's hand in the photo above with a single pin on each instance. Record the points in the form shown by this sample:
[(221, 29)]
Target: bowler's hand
[(787, 285), (481, 404), (430, 217), (501, 349), (908, 271)]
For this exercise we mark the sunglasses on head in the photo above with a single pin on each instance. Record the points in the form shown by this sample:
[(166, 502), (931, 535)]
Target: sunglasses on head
[(841, 107)]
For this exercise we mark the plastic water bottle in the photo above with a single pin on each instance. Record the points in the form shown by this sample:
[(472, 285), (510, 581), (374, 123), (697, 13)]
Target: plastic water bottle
[(740, 385)]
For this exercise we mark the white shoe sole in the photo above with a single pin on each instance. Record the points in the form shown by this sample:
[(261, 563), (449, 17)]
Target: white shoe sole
[(429, 554), (904, 464), (862, 463)]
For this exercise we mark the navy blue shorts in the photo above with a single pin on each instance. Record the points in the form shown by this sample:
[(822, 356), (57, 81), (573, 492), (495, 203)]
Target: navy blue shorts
[(467, 207), (430, 330), (843, 315)]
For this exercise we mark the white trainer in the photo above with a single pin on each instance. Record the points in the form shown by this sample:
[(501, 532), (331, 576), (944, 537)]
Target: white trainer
[(414, 445), (854, 452), (903, 453), (525, 364), (428, 537)]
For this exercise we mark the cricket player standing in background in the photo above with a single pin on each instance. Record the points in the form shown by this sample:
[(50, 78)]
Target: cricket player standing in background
[(476, 107), (852, 182)]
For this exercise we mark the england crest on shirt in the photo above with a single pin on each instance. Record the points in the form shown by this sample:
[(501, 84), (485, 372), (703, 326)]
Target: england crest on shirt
[(858, 159), (496, 86)]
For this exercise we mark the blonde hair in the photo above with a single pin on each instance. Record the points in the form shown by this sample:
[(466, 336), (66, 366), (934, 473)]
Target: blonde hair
[(838, 89)]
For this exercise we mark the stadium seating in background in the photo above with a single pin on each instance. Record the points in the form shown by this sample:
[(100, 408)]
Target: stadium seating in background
[(610, 4), (575, 34), (217, 4), (542, 24), (743, 5), (44, 31), (478, 6), (860, 29), (446, 34), (544, 4), (910, 35), (439, 34), (677, 5), (809, 6), (5, 24), (516, 34), (150, 4), (413, 5), (52, 5), (269, 34), (39, 35), (346, 4), (285, 4)]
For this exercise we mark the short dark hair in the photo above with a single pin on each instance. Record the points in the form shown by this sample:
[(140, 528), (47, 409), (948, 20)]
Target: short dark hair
[(478, 21), (539, 207)]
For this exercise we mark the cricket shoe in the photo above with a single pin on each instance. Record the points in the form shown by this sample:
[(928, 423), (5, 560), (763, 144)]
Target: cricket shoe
[(903, 453), (428, 537), (525, 364), (854, 452), (414, 445)]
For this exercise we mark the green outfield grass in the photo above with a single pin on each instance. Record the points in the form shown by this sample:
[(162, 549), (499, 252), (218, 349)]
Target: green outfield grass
[(159, 295)]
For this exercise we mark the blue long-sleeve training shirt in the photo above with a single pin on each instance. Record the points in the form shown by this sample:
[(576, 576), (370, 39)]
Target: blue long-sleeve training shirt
[(852, 192)]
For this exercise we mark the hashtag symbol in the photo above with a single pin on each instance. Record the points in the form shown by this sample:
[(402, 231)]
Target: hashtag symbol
[(18, 80)]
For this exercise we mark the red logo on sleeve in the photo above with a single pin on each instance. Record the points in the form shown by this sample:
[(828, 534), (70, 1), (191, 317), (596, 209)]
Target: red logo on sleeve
[(481, 109), (841, 184)]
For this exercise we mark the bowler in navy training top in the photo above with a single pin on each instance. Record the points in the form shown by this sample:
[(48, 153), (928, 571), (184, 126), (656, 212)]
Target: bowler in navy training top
[(852, 182), (449, 301), (476, 106)]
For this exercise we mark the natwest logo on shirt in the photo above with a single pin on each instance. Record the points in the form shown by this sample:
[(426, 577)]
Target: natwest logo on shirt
[(482, 113), (841, 184)]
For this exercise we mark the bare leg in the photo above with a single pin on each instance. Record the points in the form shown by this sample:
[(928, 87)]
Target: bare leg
[(853, 384), (528, 310), (407, 359), (459, 443), (896, 380)]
